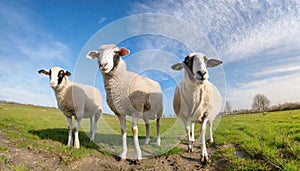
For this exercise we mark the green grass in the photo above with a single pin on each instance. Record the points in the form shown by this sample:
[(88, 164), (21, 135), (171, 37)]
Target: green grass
[(270, 142), (243, 142)]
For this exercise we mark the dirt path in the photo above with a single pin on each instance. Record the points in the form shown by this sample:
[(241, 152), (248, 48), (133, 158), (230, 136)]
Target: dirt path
[(29, 158)]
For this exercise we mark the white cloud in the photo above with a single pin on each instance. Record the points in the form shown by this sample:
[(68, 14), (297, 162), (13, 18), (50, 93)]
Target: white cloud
[(278, 70), (236, 28), (25, 48), (260, 40), (102, 19), (278, 89)]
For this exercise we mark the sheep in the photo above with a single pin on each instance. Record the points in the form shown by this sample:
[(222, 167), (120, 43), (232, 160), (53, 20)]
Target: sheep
[(128, 93), (75, 99), (196, 99)]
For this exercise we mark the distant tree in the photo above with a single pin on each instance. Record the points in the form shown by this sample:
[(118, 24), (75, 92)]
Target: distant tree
[(228, 108), (260, 103)]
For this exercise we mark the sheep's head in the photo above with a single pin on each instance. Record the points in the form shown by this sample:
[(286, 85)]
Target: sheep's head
[(196, 65), (108, 57), (57, 76)]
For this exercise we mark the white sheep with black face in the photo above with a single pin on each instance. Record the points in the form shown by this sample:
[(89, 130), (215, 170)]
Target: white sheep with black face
[(196, 99), (74, 99), (128, 93)]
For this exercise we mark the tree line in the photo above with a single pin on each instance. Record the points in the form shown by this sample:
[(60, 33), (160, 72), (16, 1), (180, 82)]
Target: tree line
[(261, 104)]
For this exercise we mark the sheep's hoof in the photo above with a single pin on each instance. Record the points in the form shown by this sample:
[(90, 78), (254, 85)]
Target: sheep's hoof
[(190, 150), (158, 142), (137, 161), (193, 142), (76, 144), (204, 159), (121, 159)]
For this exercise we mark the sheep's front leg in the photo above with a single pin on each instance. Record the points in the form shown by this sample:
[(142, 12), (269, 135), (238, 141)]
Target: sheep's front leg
[(193, 133), (187, 129), (70, 131), (76, 130), (210, 131), (146, 120), (204, 155), (122, 120), (135, 139), (158, 131)]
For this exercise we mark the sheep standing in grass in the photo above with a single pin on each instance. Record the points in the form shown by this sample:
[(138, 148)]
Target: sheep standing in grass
[(128, 93), (74, 99), (196, 99)]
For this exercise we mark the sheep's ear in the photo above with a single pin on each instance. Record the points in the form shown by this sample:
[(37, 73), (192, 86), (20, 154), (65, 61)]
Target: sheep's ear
[(177, 66), (213, 62), (68, 73), (123, 52), (92, 54), (44, 72)]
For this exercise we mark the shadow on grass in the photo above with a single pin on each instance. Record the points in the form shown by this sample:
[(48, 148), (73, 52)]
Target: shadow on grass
[(61, 135)]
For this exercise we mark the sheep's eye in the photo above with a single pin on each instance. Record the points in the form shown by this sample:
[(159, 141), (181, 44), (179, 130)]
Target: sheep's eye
[(116, 52), (61, 74), (50, 74)]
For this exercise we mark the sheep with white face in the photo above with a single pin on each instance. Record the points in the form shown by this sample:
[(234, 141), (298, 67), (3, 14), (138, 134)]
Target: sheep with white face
[(196, 99), (74, 99), (128, 93)]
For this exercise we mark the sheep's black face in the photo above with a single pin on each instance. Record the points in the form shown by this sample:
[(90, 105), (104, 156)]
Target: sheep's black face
[(56, 76), (196, 65), (189, 61)]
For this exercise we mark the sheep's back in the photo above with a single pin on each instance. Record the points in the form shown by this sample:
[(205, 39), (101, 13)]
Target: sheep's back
[(145, 95), (78, 98)]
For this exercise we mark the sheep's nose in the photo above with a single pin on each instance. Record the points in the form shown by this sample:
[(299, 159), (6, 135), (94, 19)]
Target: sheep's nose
[(104, 64), (201, 73), (52, 84)]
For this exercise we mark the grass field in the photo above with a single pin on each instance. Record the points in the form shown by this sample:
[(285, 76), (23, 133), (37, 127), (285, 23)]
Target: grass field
[(242, 142)]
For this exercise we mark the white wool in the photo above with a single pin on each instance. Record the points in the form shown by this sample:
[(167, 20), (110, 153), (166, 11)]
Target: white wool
[(128, 93), (78, 100)]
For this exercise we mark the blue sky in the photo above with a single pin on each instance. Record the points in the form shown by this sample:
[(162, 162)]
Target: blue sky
[(258, 41)]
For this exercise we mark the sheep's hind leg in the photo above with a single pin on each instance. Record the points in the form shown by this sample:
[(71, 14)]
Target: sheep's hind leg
[(91, 129), (70, 131), (94, 127), (147, 140), (122, 120), (158, 131)]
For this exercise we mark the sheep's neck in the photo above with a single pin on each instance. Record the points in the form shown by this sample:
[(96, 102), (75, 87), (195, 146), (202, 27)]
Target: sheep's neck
[(114, 85), (60, 91), (201, 93)]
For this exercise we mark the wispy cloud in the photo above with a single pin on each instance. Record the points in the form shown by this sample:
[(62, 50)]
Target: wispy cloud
[(25, 47), (278, 89), (279, 70), (258, 41), (236, 28), (102, 19)]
